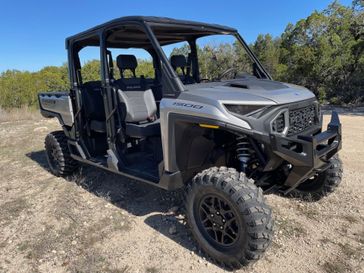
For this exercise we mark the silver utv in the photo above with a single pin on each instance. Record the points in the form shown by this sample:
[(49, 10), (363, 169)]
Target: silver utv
[(224, 140)]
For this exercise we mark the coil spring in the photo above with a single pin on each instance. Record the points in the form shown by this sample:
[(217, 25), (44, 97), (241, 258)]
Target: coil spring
[(243, 151)]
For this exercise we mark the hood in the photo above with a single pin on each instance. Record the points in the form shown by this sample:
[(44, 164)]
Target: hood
[(248, 90)]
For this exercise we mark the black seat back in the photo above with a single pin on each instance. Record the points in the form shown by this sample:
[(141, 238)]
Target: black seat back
[(129, 62), (93, 104), (179, 61)]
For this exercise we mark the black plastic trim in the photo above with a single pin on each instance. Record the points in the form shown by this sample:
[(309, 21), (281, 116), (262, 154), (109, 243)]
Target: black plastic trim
[(308, 153)]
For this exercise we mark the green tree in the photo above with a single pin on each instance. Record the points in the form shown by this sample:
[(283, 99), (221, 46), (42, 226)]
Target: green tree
[(90, 71), (267, 50), (324, 52)]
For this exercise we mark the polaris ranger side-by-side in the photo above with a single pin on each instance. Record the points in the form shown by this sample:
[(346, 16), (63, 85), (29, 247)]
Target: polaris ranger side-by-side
[(225, 139)]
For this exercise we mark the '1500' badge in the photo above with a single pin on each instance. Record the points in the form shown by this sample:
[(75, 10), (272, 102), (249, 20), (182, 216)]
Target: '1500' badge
[(190, 105)]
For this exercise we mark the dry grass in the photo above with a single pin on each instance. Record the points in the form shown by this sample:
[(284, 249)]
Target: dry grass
[(290, 228), (99, 222), (15, 114), (351, 219), (12, 209), (349, 250), (336, 266), (361, 237), (151, 270), (309, 211)]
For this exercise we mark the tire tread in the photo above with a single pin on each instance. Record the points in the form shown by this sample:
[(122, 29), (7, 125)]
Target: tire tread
[(67, 165), (250, 201)]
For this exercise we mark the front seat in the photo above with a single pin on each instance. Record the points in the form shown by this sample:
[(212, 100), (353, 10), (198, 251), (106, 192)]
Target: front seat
[(179, 61), (136, 100)]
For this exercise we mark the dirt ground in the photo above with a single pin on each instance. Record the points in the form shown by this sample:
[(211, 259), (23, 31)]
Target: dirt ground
[(99, 222)]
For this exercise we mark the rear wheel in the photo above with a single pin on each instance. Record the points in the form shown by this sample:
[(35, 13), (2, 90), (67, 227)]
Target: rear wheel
[(228, 217), (58, 155), (321, 185)]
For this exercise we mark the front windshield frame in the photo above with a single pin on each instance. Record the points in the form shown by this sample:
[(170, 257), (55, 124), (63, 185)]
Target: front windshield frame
[(167, 68), (220, 57), (214, 31)]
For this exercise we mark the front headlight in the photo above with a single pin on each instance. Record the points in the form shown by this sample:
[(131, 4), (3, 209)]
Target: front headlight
[(280, 123), (242, 109)]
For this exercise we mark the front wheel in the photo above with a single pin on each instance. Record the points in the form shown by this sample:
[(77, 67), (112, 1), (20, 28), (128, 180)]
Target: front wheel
[(321, 185), (228, 217)]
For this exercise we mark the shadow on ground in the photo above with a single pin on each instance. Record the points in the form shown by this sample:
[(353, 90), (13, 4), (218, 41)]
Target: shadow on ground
[(137, 198)]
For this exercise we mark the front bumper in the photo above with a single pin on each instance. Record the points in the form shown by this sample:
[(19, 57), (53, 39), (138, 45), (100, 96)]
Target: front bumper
[(308, 154)]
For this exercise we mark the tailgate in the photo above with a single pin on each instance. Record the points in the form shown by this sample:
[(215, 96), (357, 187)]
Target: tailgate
[(57, 104)]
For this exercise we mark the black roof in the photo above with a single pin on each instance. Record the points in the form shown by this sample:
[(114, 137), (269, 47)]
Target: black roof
[(161, 21)]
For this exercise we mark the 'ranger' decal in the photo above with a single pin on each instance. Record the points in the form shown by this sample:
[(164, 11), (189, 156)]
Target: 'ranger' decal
[(48, 102)]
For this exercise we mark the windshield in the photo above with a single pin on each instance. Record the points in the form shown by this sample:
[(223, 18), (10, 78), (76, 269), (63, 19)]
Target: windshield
[(217, 57)]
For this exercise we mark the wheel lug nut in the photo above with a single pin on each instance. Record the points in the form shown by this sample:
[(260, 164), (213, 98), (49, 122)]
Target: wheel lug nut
[(214, 224), (212, 215), (221, 227), (223, 220)]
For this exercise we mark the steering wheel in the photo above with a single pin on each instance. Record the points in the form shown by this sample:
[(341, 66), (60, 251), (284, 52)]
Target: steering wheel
[(233, 71)]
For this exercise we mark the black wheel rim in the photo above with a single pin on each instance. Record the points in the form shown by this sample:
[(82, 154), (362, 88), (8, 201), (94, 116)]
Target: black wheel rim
[(52, 158), (217, 221)]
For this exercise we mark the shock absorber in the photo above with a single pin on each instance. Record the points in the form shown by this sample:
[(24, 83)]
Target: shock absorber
[(243, 151)]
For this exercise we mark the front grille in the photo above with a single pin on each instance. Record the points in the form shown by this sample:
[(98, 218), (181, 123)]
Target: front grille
[(301, 119)]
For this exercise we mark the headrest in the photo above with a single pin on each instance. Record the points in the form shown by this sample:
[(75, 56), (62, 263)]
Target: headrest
[(125, 61), (178, 61)]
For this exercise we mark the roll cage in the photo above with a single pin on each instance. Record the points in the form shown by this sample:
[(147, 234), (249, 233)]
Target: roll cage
[(160, 32), (149, 33)]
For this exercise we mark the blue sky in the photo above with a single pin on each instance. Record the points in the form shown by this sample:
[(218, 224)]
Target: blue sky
[(33, 32)]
